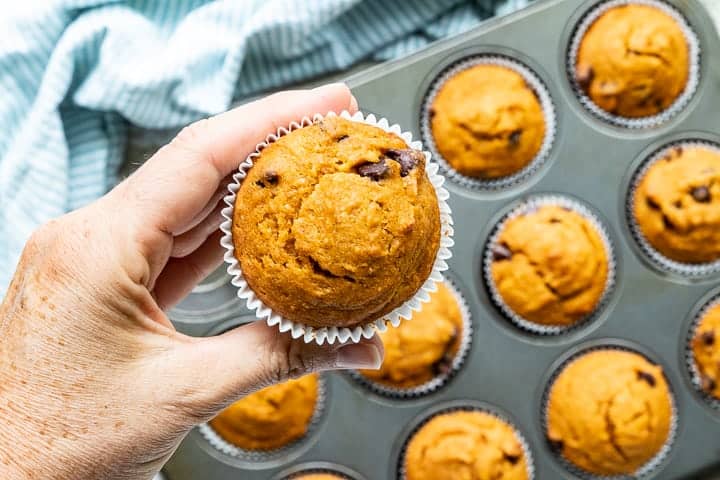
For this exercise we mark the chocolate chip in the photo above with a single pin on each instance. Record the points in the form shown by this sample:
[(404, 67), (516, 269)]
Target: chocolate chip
[(432, 113), (514, 138), (677, 204), (271, 177), (556, 444), (646, 377), (513, 458), (701, 194), (659, 104), (341, 138), (260, 184), (407, 158), (374, 171), (584, 76), (500, 252), (708, 384), (678, 151), (708, 338), (555, 220), (668, 223), (652, 203)]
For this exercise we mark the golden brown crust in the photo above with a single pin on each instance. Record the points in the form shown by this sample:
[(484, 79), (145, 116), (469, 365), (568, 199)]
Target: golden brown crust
[(471, 445), (677, 205), (706, 351), (417, 350), (487, 122), (270, 418), (550, 266), (633, 61), (336, 224), (609, 412), (318, 476)]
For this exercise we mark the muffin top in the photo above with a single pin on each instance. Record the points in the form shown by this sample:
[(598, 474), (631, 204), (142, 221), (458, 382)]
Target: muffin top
[(318, 476), (270, 418), (487, 122), (609, 412), (336, 224), (677, 205), (706, 350), (422, 347), (471, 445), (550, 266), (633, 61)]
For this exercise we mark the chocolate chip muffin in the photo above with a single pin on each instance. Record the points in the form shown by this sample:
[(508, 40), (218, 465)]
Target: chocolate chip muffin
[(677, 205), (609, 412), (487, 122), (550, 266), (465, 444), (270, 418), (633, 61), (706, 351), (423, 347), (336, 224)]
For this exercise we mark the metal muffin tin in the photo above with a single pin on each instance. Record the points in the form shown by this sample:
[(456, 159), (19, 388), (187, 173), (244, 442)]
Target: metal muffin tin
[(507, 368)]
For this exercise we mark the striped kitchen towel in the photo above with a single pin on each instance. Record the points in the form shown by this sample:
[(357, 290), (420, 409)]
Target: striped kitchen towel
[(75, 73)]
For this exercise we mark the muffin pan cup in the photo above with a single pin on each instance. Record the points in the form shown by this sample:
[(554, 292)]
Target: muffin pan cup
[(260, 457), (692, 368), (679, 103), (591, 161), (524, 207), (462, 406), (653, 465), (546, 103), (438, 381), (689, 270), (337, 334)]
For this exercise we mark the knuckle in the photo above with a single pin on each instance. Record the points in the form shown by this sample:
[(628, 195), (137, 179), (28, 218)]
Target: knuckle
[(287, 361)]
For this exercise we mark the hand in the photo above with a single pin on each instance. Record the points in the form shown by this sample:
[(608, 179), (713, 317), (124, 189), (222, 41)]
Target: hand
[(95, 383)]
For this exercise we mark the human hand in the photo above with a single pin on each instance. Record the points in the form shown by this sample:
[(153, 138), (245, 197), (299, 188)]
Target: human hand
[(95, 383)]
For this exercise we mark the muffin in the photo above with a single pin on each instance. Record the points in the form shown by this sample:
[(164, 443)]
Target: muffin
[(317, 476), (465, 444), (633, 61), (677, 205), (609, 412), (336, 224), (706, 351), (423, 347), (487, 122), (270, 418), (550, 266)]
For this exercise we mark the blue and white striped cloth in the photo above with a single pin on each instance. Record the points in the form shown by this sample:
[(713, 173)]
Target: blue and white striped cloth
[(75, 73)]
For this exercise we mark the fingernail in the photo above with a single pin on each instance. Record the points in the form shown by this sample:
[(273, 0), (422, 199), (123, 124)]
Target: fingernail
[(353, 104), (359, 355)]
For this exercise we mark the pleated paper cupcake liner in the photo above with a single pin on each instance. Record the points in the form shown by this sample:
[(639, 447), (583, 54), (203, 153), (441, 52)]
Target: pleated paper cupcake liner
[(464, 406), (653, 465), (691, 270), (641, 122), (693, 369), (338, 334), (546, 103), (263, 456), (529, 205), (438, 381)]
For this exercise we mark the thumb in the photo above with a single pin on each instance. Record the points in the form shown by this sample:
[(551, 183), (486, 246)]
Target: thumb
[(221, 369)]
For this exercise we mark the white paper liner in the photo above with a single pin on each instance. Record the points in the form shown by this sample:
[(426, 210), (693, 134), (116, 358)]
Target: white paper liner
[(526, 206), (261, 456), (658, 259), (546, 103), (338, 334), (683, 99), (644, 472), (466, 406), (693, 370), (440, 380)]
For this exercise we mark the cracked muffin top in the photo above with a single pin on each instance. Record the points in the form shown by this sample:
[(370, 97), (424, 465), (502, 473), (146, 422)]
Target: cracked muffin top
[(550, 266), (633, 61), (677, 205), (422, 347), (706, 351), (270, 418), (487, 122), (471, 445), (336, 224), (609, 412)]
